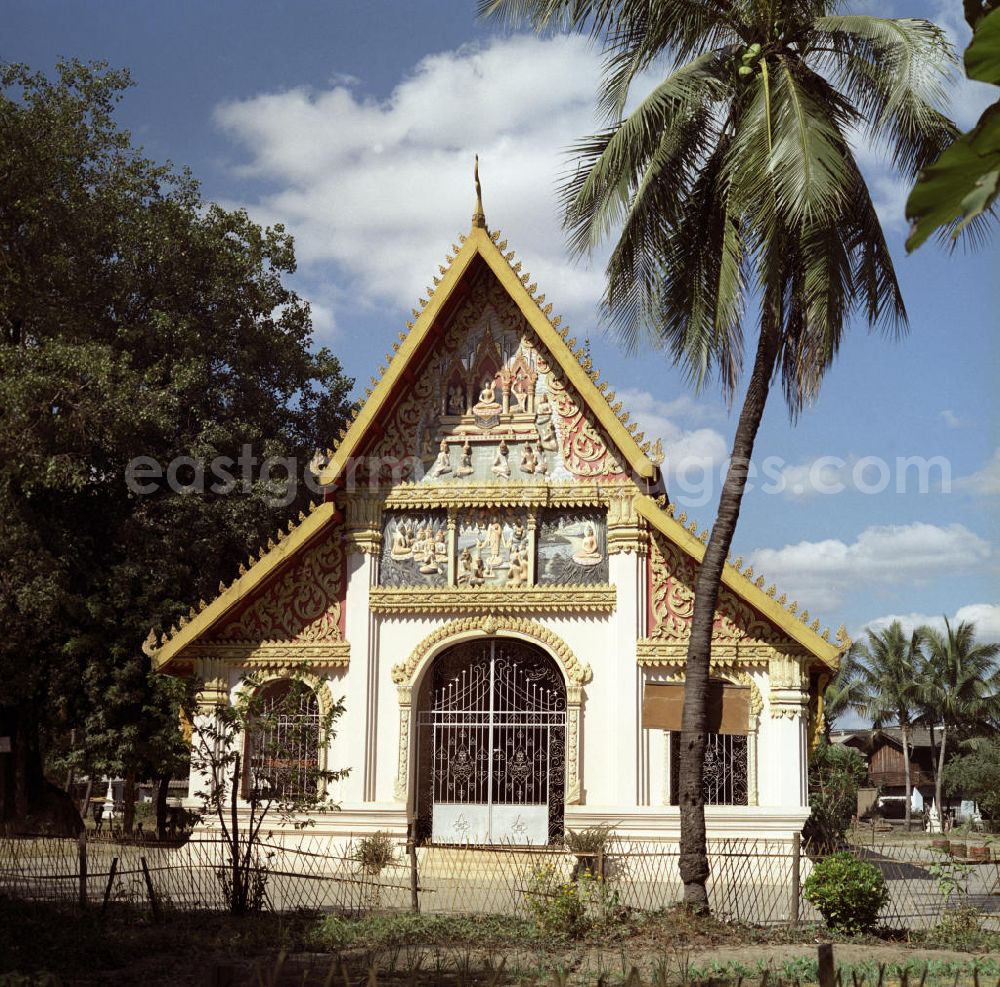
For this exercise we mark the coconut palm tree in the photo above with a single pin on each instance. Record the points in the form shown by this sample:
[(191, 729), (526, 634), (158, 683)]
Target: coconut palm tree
[(960, 688), (733, 185), (889, 665), (842, 694)]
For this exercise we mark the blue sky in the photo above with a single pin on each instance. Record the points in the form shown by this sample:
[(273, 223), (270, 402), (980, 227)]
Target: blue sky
[(354, 123)]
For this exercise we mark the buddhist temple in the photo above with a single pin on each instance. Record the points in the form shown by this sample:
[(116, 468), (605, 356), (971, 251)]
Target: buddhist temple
[(497, 585)]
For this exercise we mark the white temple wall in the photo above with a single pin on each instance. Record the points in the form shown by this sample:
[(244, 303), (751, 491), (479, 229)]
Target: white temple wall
[(352, 748)]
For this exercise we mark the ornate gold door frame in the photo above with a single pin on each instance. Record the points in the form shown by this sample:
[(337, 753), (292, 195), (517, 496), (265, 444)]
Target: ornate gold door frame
[(407, 675)]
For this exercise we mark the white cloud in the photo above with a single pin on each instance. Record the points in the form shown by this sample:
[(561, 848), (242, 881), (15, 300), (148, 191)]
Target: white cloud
[(823, 475), (380, 188), (376, 189), (820, 574), (951, 419), (694, 455), (986, 617), (984, 482)]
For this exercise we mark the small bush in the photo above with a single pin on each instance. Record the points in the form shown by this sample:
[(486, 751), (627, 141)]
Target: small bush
[(558, 907), (374, 853), (848, 892)]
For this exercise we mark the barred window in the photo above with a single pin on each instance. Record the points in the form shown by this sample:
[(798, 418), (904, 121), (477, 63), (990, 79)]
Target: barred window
[(726, 769), (282, 753)]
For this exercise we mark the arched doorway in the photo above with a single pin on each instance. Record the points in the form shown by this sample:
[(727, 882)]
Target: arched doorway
[(491, 745)]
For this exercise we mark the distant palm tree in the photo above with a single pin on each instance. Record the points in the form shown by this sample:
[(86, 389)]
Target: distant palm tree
[(888, 670), (733, 184), (842, 695), (960, 689)]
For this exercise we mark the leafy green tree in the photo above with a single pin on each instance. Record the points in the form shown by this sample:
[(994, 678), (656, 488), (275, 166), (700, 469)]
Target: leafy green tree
[(960, 690), (962, 184), (136, 320), (976, 776), (835, 775), (889, 666), (732, 186)]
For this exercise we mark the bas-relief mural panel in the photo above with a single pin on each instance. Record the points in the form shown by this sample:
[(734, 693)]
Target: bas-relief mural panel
[(492, 548), (414, 549), (489, 405), (572, 548)]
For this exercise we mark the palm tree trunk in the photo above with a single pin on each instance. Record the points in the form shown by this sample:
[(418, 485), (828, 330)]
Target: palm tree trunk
[(906, 772), (694, 867), (934, 770), (938, 779)]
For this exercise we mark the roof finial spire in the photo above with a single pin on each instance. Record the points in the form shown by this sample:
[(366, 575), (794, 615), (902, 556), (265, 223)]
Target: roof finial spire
[(478, 217)]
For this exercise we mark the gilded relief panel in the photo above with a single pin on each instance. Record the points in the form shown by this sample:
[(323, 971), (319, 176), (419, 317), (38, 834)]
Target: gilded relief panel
[(414, 549), (493, 548), (572, 548), (488, 405)]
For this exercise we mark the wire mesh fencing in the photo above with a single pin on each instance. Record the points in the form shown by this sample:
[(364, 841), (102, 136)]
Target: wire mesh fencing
[(753, 881)]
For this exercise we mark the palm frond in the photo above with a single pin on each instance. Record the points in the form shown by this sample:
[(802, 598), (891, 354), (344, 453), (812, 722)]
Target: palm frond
[(809, 159), (896, 71), (696, 304), (666, 132), (682, 31)]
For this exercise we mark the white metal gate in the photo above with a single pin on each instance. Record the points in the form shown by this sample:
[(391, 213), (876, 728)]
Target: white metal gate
[(493, 758)]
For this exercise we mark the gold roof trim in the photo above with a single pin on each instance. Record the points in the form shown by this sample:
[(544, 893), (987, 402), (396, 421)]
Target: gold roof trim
[(742, 585), (575, 365)]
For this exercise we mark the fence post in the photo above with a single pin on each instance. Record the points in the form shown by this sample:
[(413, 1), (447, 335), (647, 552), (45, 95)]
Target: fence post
[(154, 903), (411, 850), (793, 903), (110, 884), (827, 974), (82, 843)]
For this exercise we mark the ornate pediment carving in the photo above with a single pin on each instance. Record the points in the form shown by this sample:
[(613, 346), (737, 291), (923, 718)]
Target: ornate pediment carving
[(301, 604), (671, 607)]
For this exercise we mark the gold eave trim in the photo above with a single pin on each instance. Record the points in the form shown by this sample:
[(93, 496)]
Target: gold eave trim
[(651, 652), (500, 494), (240, 589), (478, 243), (532, 599), (308, 652), (799, 632)]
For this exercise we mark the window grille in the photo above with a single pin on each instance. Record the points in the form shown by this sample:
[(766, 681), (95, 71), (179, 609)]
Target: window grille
[(283, 752), (726, 769)]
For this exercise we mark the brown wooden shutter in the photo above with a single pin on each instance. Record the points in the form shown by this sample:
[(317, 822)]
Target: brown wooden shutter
[(728, 707)]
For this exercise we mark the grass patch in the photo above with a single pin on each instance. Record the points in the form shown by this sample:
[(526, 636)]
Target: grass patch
[(333, 933)]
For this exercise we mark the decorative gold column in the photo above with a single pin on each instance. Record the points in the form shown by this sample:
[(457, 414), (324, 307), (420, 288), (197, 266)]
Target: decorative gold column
[(789, 686), (401, 787), (363, 523), (627, 532), (215, 684)]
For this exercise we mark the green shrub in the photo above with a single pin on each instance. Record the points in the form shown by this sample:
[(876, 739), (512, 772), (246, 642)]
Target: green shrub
[(848, 892)]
